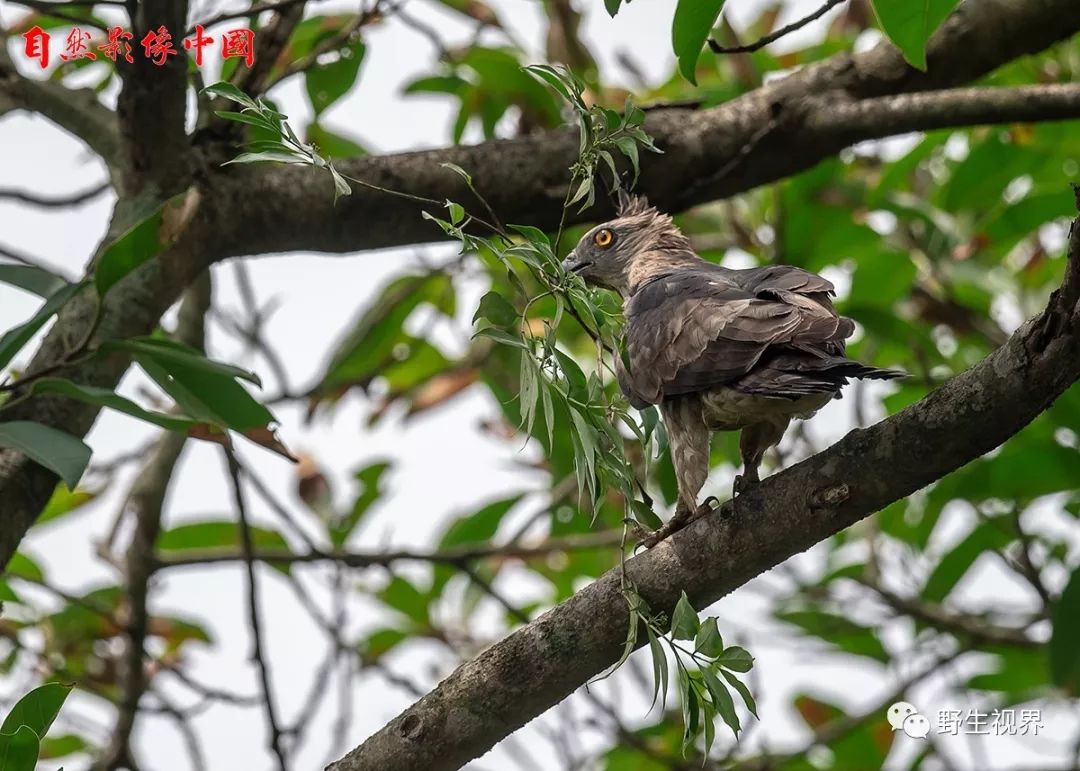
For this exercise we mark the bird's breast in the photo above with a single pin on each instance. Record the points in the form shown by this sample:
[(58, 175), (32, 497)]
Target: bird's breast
[(726, 409)]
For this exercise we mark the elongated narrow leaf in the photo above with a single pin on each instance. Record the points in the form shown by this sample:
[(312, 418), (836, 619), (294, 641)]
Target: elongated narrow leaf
[(62, 453), (693, 21), (230, 92), (14, 339), (33, 279), (909, 24), (106, 398), (37, 710), (170, 351), (144, 241), (660, 669), (722, 700), (206, 395), (211, 534), (740, 686), (370, 479)]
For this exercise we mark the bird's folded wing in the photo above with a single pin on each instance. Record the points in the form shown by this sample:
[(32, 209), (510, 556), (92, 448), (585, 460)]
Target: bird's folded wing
[(695, 330)]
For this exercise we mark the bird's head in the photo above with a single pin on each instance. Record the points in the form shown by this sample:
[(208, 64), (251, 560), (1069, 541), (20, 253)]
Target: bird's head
[(621, 253)]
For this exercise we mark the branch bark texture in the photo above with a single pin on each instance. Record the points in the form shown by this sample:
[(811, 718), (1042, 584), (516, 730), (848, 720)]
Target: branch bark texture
[(543, 662)]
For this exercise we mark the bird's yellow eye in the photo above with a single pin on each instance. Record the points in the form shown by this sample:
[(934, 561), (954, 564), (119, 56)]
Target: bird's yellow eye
[(603, 238)]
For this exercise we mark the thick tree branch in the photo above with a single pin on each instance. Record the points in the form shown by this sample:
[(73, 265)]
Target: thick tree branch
[(77, 111), (525, 179), (540, 664), (152, 108)]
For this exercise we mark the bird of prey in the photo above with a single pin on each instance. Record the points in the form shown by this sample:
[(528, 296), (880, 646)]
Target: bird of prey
[(716, 349)]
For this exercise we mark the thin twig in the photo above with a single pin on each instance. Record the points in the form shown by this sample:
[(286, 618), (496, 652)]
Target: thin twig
[(772, 37), (56, 10), (451, 556), (255, 10), (53, 202), (257, 651)]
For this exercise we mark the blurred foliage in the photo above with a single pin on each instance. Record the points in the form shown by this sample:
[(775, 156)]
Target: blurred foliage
[(941, 244)]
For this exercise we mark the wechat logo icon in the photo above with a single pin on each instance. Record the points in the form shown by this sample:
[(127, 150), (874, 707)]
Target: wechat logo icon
[(904, 717)]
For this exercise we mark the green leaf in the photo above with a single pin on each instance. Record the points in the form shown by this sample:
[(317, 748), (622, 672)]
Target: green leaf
[(64, 501), (722, 700), (660, 669), (381, 642), (205, 390), (479, 526), (19, 750), (251, 119), (145, 240), (839, 631), (739, 686), (684, 621), (503, 337), (736, 659), (495, 308), (691, 708), (986, 537), (404, 597), (333, 144), (326, 83), (230, 92), (271, 157), (209, 535), (62, 453), (103, 397), (370, 345), (457, 212), (22, 566), (693, 21), (62, 746), (370, 479), (36, 710), (708, 641), (612, 7), (910, 23), (1064, 651), (15, 338), (33, 279)]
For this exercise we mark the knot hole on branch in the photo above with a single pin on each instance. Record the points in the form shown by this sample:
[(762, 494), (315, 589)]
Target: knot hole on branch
[(829, 497), (411, 727)]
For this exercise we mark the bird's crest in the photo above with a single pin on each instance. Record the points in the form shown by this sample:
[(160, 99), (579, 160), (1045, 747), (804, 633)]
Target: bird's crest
[(633, 205), (638, 213)]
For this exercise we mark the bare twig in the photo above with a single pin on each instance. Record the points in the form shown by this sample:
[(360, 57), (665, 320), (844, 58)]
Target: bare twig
[(257, 651), (457, 556), (255, 10), (772, 37), (53, 202)]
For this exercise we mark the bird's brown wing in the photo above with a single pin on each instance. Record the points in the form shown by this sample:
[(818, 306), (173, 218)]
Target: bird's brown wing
[(695, 330)]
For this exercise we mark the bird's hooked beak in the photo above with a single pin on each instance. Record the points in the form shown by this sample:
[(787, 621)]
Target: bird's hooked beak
[(574, 264)]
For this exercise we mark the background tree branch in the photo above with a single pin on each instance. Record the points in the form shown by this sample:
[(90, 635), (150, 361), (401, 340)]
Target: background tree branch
[(543, 662), (524, 179)]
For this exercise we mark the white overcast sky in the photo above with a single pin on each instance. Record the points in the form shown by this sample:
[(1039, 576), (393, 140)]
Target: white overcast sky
[(442, 462)]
